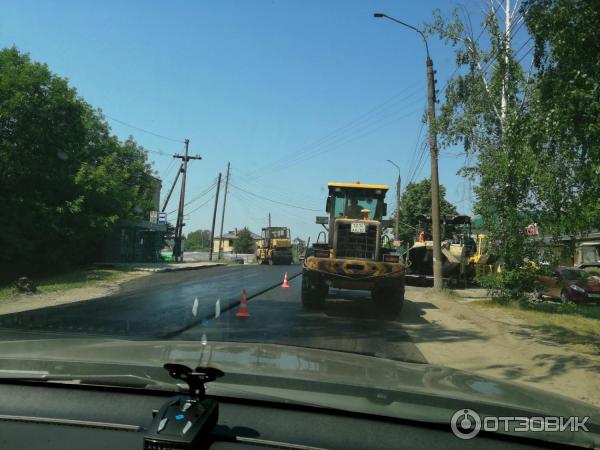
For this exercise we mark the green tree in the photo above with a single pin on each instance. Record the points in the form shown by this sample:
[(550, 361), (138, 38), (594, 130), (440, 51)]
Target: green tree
[(416, 201), (300, 245), (198, 240), (533, 137), (244, 242), (64, 179), (485, 110), (564, 127)]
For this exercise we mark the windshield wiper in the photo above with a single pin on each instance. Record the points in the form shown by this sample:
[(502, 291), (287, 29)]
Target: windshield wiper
[(116, 380)]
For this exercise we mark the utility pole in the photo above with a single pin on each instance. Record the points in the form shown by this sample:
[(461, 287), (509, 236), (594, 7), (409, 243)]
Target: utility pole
[(178, 253), (435, 183), (212, 229), (223, 214), (435, 186), (269, 220), (398, 182), (172, 188), (398, 207)]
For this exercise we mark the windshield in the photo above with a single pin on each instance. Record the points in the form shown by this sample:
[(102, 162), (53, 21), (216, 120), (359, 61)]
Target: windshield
[(590, 254), (199, 172), (352, 205), (575, 275), (278, 234)]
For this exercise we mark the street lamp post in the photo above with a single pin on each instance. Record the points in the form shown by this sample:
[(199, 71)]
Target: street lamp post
[(397, 199), (435, 186)]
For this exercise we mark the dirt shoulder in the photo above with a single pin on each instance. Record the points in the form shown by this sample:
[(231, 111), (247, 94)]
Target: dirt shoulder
[(60, 293), (460, 333)]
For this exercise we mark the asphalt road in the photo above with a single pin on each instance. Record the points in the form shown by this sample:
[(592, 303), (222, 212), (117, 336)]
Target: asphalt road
[(348, 322), (157, 306), (161, 306)]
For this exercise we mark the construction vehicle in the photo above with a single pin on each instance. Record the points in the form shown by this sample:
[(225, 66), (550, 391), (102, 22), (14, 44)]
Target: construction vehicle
[(587, 255), (275, 246), (457, 249), (352, 255), (482, 260)]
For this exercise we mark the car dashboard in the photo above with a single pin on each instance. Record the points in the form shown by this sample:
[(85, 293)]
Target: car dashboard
[(62, 416)]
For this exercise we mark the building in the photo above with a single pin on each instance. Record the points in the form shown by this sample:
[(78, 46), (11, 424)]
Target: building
[(229, 240), (141, 241)]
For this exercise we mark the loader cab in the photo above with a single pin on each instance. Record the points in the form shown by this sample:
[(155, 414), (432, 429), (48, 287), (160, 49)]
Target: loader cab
[(275, 233), (356, 201)]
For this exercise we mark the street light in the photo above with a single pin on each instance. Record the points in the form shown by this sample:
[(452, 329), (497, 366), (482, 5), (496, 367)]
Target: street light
[(397, 198), (435, 184)]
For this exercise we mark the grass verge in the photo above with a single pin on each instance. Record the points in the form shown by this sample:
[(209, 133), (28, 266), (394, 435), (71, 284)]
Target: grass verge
[(71, 280), (559, 324)]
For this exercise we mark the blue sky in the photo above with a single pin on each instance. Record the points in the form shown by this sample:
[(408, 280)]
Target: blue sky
[(293, 93)]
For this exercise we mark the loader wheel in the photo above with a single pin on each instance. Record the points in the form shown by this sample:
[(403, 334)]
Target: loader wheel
[(390, 299), (313, 293)]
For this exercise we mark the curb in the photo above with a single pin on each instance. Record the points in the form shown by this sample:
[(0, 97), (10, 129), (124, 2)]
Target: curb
[(176, 269)]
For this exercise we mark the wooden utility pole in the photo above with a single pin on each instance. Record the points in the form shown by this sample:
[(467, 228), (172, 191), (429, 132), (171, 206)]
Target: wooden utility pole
[(212, 229), (435, 186), (438, 281), (178, 251), (223, 214), (172, 188)]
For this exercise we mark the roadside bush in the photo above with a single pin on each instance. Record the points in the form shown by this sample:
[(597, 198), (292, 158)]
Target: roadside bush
[(510, 285)]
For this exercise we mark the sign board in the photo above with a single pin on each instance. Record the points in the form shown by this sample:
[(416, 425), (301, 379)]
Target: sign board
[(162, 218), (533, 230), (358, 227), (154, 216)]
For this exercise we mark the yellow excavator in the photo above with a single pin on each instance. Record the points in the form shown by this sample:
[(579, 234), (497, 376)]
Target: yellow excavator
[(275, 246)]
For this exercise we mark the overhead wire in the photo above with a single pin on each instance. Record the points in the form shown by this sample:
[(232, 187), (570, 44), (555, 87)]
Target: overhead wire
[(202, 194), (207, 191), (272, 200), (345, 141), (201, 205), (339, 133), (286, 212), (143, 130)]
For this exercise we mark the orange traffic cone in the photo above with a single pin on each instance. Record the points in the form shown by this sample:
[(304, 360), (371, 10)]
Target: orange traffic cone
[(285, 282), (243, 311)]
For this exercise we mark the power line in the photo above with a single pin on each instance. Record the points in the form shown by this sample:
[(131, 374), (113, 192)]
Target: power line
[(203, 204), (273, 201), (339, 132), (142, 129), (208, 190), (336, 144), (257, 187), (525, 54), (202, 194)]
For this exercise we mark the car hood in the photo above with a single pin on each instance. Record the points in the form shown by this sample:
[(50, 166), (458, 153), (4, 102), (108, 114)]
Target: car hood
[(322, 378)]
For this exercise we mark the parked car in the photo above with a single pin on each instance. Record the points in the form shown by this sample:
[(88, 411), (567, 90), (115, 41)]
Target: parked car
[(570, 284)]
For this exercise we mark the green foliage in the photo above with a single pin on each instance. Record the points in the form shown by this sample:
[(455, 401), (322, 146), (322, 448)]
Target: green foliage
[(509, 285), (300, 245), (198, 240), (244, 242), (540, 161), (64, 179), (415, 201), (565, 112)]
